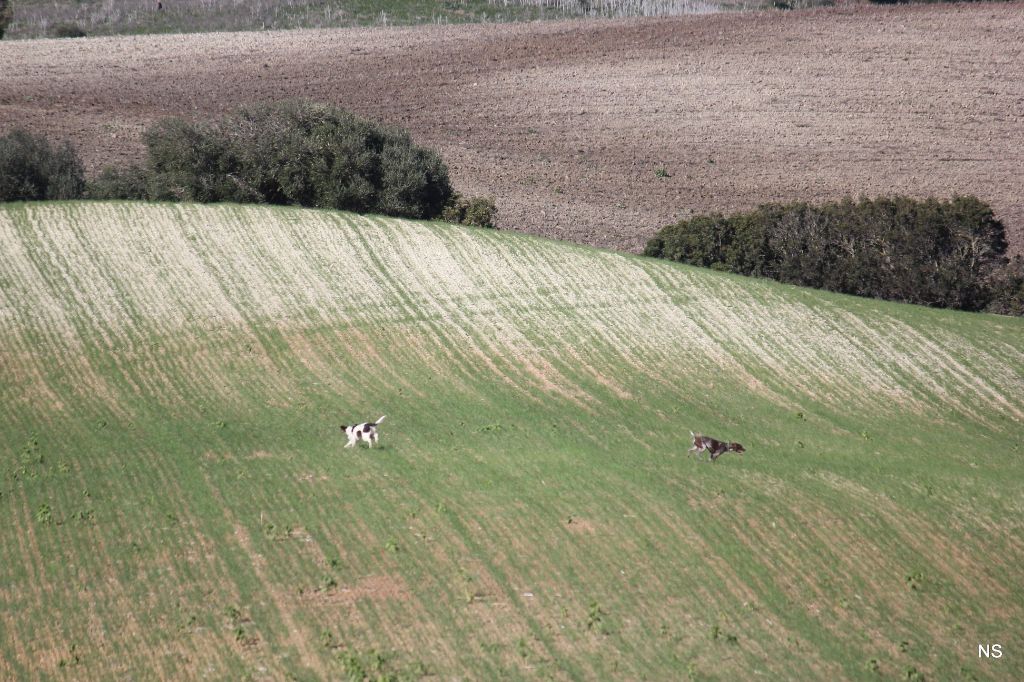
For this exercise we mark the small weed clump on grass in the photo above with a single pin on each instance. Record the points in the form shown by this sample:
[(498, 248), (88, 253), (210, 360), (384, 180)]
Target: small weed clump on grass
[(596, 618), (72, 658), (912, 674), (44, 514)]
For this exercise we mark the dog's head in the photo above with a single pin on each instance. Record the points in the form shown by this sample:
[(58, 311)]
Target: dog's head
[(736, 447)]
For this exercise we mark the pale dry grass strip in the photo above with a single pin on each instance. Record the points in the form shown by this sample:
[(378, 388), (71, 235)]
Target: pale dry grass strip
[(337, 278), (426, 268), (32, 306), (932, 372), (601, 288), (1000, 384), (535, 287), (92, 298), (494, 299), (129, 273), (811, 352), (702, 317), (458, 351), (92, 309)]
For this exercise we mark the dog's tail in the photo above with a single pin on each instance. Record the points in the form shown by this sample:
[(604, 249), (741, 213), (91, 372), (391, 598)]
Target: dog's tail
[(379, 420)]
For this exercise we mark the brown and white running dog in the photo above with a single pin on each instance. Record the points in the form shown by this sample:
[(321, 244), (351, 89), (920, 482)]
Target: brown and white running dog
[(366, 431), (713, 446)]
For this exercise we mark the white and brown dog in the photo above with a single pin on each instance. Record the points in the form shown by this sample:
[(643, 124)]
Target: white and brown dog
[(366, 431), (714, 447)]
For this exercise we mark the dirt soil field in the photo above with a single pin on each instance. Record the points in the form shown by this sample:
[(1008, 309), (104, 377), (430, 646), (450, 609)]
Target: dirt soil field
[(570, 124)]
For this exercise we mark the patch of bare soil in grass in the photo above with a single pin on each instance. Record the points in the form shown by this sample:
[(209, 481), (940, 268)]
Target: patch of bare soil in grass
[(823, 583), (22, 370), (284, 605), (376, 588), (44, 647), (581, 526), (567, 123), (950, 560)]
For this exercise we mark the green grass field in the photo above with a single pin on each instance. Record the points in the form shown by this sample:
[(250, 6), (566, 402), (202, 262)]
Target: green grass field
[(178, 504)]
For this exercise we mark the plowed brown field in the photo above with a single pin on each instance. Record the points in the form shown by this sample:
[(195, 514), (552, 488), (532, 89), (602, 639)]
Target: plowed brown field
[(568, 123)]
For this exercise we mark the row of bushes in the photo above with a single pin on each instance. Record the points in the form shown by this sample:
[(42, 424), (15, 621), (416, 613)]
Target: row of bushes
[(6, 15), (949, 254), (32, 169), (292, 153)]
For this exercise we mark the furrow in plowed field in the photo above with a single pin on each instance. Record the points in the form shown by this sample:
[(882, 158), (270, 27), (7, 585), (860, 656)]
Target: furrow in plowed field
[(566, 124), (172, 380)]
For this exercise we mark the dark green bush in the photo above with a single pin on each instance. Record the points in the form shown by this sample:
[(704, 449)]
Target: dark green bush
[(299, 154), (922, 2), (1008, 289), (67, 31), (476, 211), (119, 183), (191, 162), (31, 169), (481, 212), (931, 252), (6, 14)]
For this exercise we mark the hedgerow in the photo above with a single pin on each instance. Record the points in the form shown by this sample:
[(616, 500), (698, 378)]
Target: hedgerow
[(32, 169), (948, 254), (296, 153), (293, 153), (6, 14)]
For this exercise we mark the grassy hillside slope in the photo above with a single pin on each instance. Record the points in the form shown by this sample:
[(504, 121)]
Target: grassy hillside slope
[(177, 502)]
